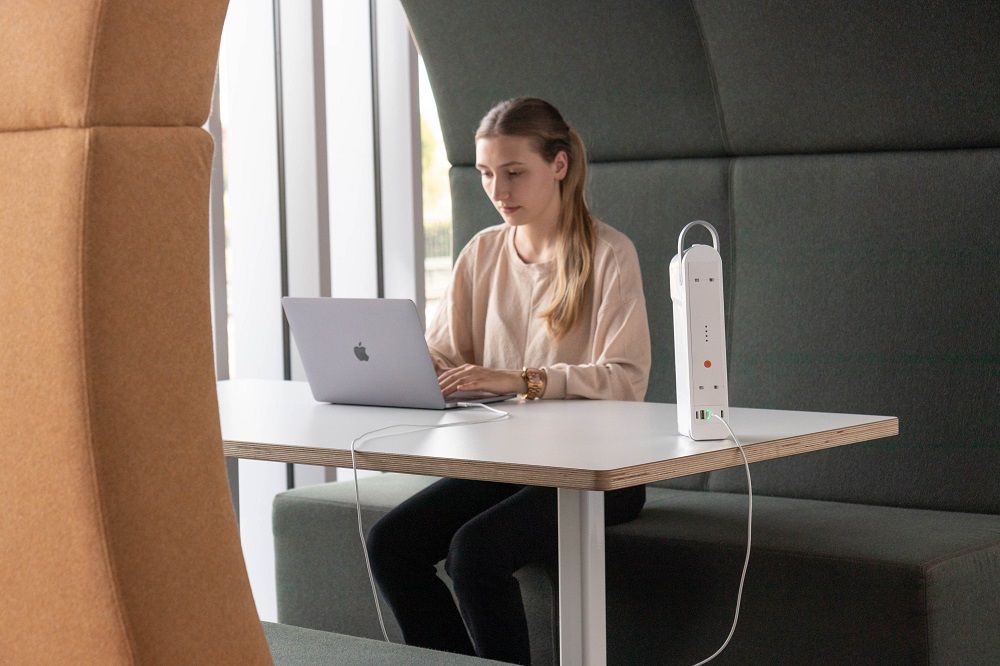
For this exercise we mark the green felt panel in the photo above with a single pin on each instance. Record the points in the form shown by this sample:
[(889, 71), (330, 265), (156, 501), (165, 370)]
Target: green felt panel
[(868, 284), (630, 76), (809, 76)]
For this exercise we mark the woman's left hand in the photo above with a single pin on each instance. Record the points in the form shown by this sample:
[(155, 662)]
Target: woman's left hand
[(470, 377)]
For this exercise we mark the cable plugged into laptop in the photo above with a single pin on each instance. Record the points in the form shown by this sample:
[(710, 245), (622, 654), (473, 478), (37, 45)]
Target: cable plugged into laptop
[(369, 351), (700, 360), (479, 404)]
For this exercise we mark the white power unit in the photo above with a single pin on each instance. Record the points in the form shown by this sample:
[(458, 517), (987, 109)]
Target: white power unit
[(699, 337)]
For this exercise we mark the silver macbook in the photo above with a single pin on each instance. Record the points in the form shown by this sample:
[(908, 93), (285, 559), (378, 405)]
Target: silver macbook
[(369, 351)]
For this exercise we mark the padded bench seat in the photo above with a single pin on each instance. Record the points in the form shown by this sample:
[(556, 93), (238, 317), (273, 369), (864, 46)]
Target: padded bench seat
[(295, 646), (828, 582)]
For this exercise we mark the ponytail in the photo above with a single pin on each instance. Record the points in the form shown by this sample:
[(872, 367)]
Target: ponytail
[(575, 245)]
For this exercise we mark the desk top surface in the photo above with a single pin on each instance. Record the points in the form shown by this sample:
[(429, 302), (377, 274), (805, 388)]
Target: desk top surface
[(582, 444)]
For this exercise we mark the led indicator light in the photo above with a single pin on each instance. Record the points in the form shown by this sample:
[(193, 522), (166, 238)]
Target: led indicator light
[(708, 364)]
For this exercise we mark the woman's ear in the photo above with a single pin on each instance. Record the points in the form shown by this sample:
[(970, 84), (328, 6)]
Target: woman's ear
[(561, 164)]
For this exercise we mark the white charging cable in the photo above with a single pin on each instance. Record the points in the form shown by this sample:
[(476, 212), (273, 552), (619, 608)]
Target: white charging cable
[(357, 495), (501, 415), (739, 595)]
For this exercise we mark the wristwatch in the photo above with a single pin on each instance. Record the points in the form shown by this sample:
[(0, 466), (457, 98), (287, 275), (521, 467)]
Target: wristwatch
[(536, 379)]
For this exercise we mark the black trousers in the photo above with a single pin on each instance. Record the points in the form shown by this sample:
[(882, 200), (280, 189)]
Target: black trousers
[(485, 532)]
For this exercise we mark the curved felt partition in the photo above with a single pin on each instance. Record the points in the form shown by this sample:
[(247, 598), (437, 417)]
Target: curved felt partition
[(632, 76), (118, 542), (648, 80)]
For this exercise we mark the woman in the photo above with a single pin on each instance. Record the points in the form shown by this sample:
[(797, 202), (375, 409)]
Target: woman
[(548, 304)]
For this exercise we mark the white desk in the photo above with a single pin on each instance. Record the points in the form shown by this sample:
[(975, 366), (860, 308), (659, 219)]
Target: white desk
[(580, 447)]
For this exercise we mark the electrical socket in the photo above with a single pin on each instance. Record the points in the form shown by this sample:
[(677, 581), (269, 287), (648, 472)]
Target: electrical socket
[(699, 340)]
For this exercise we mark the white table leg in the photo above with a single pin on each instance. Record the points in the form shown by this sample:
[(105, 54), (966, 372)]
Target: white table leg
[(582, 630)]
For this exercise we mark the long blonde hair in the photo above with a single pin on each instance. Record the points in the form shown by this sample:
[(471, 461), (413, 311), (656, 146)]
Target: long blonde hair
[(540, 121)]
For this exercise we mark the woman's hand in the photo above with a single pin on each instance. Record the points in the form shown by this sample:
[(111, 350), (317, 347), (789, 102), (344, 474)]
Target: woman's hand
[(470, 377)]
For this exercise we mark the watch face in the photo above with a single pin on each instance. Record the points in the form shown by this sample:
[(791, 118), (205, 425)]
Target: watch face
[(536, 383)]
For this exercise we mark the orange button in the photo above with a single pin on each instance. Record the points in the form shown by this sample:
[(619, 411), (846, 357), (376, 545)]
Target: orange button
[(708, 364)]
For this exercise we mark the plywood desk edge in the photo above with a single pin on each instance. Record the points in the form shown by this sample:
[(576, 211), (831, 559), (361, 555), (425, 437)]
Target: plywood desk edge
[(561, 477), (760, 451)]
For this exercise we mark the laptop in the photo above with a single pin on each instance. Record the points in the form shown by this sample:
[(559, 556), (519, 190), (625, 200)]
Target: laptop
[(369, 351)]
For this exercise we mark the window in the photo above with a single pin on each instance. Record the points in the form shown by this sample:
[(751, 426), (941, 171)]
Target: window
[(316, 193), (436, 199)]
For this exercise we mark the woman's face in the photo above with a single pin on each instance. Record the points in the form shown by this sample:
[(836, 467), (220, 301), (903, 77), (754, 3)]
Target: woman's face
[(518, 180)]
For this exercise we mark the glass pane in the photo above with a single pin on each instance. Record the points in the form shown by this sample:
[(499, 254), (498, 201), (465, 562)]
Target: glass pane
[(437, 199)]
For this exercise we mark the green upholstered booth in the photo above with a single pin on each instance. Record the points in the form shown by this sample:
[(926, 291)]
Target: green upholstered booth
[(849, 155), (300, 646)]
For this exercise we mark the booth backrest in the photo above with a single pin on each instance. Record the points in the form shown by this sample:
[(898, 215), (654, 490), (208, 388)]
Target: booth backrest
[(118, 542), (849, 156)]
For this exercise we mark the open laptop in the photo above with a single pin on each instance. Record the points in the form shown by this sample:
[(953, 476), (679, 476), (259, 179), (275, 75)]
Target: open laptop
[(369, 351)]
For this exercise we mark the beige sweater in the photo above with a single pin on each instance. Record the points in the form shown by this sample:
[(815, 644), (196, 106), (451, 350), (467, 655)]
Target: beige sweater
[(489, 317)]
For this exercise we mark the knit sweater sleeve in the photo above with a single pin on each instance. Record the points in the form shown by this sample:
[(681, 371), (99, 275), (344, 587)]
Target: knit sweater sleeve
[(620, 342)]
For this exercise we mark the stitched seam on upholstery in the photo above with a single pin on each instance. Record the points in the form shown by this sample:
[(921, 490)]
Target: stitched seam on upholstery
[(741, 547), (838, 150), (85, 190), (344, 503), (46, 128), (731, 211), (729, 318), (971, 550), (819, 153), (86, 389), (846, 151), (91, 65), (927, 618), (924, 567), (712, 78)]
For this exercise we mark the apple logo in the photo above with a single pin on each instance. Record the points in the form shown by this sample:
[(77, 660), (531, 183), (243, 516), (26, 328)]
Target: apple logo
[(359, 351)]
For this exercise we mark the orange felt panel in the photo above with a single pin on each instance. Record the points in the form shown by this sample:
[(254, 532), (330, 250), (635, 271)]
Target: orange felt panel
[(58, 590), (119, 535), (118, 542), (153, 409), (79, 63)]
